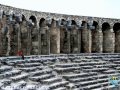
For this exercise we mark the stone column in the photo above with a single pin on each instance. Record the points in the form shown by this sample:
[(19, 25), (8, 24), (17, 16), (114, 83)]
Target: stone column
[(62, 36), (97, 40), (48, 42), (13, 33), (39, 42), (44, 40), (34, 41), (117, 41), (64, 40), (108, 40), (74, 40), (19, 37), (29, 42), (79, 41), (24, 37), (85, 39), (1, 37), (8, 43), (54, 38)]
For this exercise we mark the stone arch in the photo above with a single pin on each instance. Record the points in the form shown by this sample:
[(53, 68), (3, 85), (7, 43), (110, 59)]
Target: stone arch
[(108, 38), (97, 38), (105, 26), (42, 22), (33, 19), (54, 38), (85, 38), (73, 22), (95, 24), (62, 22), (116, 29), (23, 18)]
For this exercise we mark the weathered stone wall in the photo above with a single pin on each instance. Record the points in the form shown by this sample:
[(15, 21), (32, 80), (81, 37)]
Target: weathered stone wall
[(44, 33)]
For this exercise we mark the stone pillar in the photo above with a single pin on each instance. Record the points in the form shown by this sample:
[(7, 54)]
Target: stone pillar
[(108, 41), (39, 42), (24, 37), (48, 42), (85, 39), (64, 40), (34, 41), (79, 41), (13, 39), (117, 41), (29, 42), (44, 40), (54, 38), (19, 37), (3, 36), (97, 40), (74, 40)]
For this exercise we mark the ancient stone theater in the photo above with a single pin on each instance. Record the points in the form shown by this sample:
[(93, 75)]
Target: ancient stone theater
[(61, 52)]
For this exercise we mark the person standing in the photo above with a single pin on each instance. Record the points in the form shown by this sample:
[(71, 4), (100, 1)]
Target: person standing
[(20, 53)]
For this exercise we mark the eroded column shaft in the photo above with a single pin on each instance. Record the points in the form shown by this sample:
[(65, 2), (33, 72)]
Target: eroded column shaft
[(86, 41), (117, 41), (97, 41), (108, 41)]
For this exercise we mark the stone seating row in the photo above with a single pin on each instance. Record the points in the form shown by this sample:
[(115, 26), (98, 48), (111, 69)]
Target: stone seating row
[(10, 73), (5, 69), (29, 65), (19, 77), (41, 77), (30, 69), (41, 72)]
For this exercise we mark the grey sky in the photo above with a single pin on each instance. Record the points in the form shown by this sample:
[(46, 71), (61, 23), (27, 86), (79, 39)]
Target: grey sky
[(97, 8)]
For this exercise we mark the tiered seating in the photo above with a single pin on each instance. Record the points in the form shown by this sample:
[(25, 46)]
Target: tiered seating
[(60, 72)]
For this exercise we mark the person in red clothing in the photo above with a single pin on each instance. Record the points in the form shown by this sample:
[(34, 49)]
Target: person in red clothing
[(20, 53)]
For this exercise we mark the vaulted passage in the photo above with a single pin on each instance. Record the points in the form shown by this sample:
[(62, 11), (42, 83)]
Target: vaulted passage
[(116, 29), (108, 38), (97, 38)]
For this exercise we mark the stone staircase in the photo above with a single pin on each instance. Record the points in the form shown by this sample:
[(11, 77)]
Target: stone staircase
[(60, 72)]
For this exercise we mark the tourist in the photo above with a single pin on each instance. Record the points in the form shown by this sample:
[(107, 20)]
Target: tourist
[(20, 53)]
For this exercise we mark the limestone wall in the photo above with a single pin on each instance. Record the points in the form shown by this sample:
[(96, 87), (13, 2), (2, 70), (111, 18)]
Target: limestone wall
[(43, 33)]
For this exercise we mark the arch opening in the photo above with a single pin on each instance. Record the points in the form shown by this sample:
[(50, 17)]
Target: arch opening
[(105, 26), (95, 24), (116, 27), (62, 22), (73, 22), (33, 19), (41, 23), (23, 18), (53, 23)]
